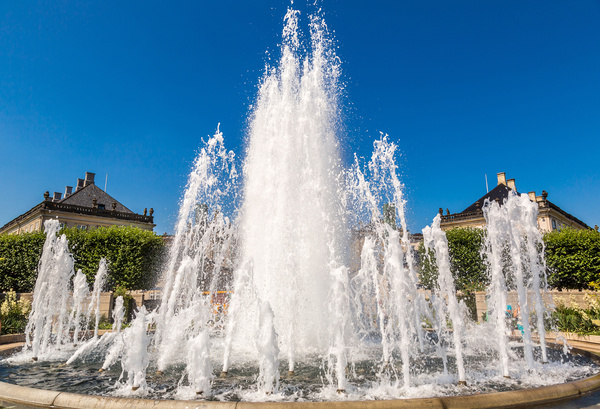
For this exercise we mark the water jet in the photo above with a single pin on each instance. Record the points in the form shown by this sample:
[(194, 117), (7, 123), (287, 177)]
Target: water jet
[(319, 279)]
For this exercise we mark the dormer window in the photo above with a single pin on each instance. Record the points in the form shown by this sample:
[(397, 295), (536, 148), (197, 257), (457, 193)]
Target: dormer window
[(101, 206)]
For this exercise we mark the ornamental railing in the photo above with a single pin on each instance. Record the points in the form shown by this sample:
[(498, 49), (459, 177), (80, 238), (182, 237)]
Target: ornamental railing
[(462, 216), (94, 211)]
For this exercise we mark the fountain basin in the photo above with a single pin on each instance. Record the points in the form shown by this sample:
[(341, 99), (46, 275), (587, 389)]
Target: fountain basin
[(25, 397)]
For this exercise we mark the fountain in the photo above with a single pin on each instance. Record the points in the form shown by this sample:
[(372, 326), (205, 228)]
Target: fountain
[(321, 278)]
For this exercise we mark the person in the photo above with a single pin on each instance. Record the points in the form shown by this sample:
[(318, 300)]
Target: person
[(518, 320), (509, 311)]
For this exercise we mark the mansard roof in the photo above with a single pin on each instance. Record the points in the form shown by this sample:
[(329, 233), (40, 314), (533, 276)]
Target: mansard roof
[(86, 195), (88, 200), (474, 213), (499, 193)]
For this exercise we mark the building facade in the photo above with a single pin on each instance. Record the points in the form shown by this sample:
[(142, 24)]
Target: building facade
[(550, 216), (86, 207)]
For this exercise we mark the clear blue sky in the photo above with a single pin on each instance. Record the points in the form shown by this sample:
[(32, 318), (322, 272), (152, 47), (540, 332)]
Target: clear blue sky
[(466, 88)]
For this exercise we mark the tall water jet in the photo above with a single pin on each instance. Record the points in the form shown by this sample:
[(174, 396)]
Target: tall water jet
[(80, 294), (198, 367), (292, 209), (513, 246), (495, 244), (340, 313), (435, 241), (202, 251), (268, 352), (118, 314), (135, 358), (99, 282), (320, 263), (387, 253), (48, 325)]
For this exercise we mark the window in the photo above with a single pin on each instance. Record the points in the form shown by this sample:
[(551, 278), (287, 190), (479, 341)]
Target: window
[(82, 227), (101, 206), (553, 224)]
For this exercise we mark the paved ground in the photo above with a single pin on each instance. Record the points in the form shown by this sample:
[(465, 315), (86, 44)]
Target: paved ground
[(590, 401)]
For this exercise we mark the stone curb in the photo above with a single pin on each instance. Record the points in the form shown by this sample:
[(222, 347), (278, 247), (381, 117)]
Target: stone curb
[(24, 397)]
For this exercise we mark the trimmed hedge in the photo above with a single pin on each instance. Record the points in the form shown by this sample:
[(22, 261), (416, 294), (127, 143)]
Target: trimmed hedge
[(468, 267), (19, 258), (573, 258), (134, 256)]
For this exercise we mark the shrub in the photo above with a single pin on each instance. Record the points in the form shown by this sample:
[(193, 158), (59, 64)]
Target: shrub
[(19, 257), (134, 256), (14, 314), (572, 318), (573, 258), (466, 262)]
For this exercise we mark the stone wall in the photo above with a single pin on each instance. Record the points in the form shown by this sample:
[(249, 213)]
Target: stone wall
[(106, 301), (550, 298)]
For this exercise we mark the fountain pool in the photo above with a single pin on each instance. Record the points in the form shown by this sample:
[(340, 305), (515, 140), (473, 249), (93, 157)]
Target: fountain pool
[(325, 298)]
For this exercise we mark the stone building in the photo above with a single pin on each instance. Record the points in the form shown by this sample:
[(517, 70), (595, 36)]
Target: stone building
[(550, 216), (86, 207)]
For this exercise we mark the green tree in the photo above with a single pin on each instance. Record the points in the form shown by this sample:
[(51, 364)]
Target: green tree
[(573, 258)]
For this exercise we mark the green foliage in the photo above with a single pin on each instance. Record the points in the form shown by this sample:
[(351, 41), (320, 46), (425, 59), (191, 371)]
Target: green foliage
[(471, 303), (467, 265), (428, 269), (128, 302), (103, 324), (121, 291), (134, 256), (573, 319), (14, 314), (573, 258), (19, 257)]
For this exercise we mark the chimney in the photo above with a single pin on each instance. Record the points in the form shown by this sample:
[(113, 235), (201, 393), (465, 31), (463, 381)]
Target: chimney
[(502, 178), (511, 184), (532, 196), (79, 185), (68, 191), (57, 196), (89, 178)]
